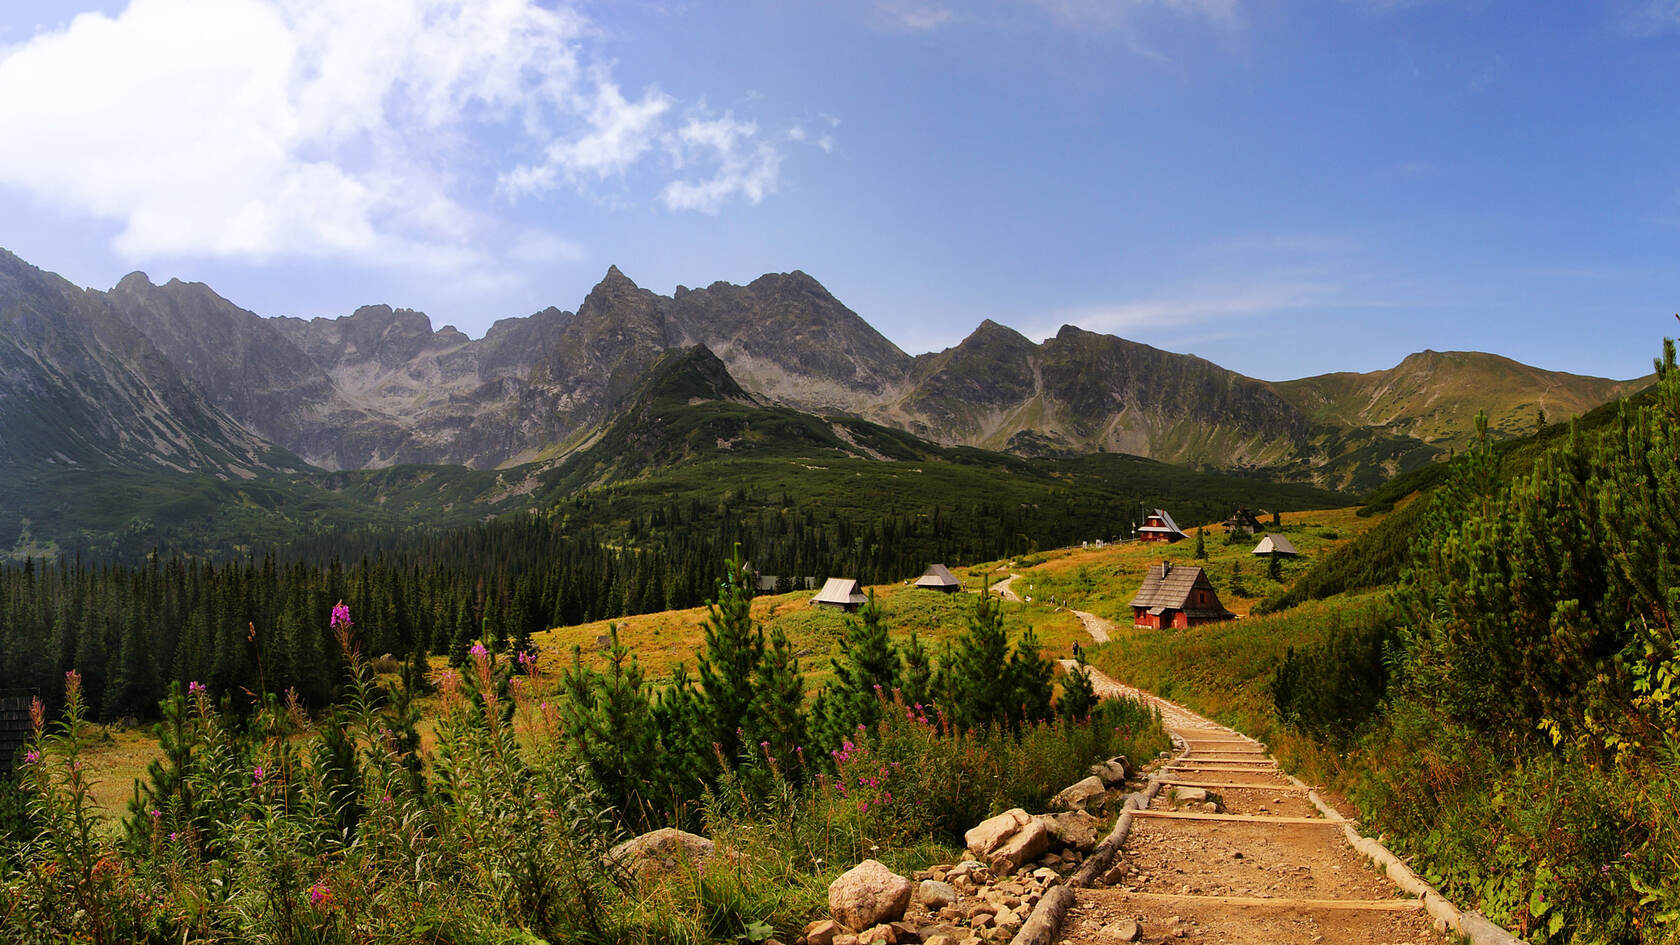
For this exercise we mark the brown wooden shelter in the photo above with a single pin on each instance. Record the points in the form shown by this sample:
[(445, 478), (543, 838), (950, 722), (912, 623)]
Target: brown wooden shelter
[(1242, 520), (939, 578), (1275, 544), (1176, 596), (1159, 526), (841, 593)]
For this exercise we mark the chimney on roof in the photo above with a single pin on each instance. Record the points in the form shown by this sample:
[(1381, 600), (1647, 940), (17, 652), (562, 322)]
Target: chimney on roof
[(1166, 567)]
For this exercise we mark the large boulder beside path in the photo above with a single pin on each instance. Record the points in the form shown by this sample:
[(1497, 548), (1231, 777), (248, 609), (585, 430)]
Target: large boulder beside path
[(1008, 840), (660, 852), (868, 894), (1090, 792)]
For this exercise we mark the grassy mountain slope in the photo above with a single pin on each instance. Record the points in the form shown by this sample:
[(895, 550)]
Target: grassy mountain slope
[(1376, 558), (1433, 396)]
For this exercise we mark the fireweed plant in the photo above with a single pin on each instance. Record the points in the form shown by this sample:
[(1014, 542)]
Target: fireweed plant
[(270, 825)]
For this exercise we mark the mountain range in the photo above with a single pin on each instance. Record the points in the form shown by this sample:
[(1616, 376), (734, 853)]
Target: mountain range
[(178, 379)]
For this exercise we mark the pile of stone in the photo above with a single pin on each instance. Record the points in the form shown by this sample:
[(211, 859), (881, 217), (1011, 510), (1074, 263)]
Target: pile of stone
[(958, 904), (1016, 857)]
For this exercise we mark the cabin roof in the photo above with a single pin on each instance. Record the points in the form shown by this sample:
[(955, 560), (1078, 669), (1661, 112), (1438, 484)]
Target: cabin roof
[(1167, 587), (840, 591), (938, 575), (1170, 528), (1274, 544)]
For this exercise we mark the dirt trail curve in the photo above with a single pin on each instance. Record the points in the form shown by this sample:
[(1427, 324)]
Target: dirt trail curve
[(1005, 591), (1096, 626), (1267, 867)]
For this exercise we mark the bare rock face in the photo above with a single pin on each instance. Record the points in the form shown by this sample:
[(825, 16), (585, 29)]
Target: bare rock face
[(1082, 794), (867, 895), (661, 852)]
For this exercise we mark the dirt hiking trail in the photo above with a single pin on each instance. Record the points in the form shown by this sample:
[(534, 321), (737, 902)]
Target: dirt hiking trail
[(1252, 860)]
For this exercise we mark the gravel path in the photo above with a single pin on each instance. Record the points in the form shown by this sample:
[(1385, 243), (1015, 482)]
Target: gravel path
[(1266, 867), (1096, 626), (1004, 591)]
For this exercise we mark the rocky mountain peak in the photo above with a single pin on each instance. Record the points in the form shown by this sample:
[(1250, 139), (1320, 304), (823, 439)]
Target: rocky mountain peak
[(134, 281)]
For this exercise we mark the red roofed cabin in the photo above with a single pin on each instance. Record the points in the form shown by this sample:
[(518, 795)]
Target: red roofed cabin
[(1176, 597), (1159, 526)]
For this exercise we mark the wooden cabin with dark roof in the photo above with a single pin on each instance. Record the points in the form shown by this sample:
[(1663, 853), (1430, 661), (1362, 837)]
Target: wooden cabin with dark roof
[(840, 593), (1159, 526), (1244, 521), (939, 578), (1177, 596)]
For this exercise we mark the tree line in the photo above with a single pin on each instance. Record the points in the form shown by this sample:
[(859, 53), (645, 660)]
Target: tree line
[(254, 624)]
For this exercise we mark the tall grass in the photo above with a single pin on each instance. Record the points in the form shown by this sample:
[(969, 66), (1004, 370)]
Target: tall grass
[(343, 829)]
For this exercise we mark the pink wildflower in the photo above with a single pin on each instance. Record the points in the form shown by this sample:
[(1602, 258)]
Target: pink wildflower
[(195, 688), (257, 775), (478, 651), (31, 757), (340, 616), (320, 896)]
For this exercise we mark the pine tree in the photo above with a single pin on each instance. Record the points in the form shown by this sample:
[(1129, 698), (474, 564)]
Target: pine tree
[(979, 667), (1201, 546), (610, 718), (729, 664), (866, 672), (1079, 696), (1029, 680), (916, 681), (780, 716)]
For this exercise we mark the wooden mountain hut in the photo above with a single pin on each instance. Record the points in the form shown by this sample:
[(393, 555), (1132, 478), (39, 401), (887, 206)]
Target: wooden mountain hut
[(1159, 526), (939, 578), (15, 730), (1275, 544), (1244, 521), (842, 593), (1180, 596)]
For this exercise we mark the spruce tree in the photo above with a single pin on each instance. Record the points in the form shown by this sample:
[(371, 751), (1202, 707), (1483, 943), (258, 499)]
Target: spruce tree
[(1201, 546)]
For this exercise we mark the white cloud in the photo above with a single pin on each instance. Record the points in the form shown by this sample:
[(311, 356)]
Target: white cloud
[(345, 128), (740, 161), (1178, 311), (620, 133), (914, 15), (1109, 13), (1650, 18)]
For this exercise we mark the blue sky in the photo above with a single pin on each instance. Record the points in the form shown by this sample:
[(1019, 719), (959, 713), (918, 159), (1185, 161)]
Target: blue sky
[(1284, 188)]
